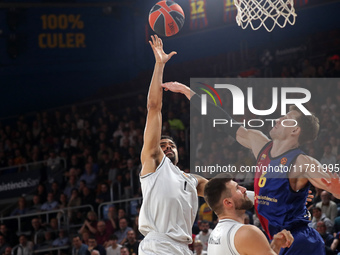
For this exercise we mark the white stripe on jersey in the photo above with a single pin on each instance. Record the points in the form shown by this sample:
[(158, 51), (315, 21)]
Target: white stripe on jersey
[(221, 240), (170, 202)]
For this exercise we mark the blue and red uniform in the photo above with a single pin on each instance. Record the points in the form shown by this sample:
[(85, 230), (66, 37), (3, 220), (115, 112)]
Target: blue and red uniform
[(279, 207)]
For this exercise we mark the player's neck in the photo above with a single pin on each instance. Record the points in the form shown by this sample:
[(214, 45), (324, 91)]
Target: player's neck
[(236, 216), (281, 147)]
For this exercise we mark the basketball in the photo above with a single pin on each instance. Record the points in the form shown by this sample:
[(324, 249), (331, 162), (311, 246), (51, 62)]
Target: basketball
[(166, 18)]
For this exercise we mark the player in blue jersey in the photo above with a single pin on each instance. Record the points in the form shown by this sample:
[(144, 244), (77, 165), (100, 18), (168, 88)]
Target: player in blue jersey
[(280, 202)]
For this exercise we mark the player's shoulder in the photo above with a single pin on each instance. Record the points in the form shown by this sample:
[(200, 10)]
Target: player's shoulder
[(247, 231), (254, 238)]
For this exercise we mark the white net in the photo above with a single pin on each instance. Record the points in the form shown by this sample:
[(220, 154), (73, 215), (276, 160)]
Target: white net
[(266, 13)]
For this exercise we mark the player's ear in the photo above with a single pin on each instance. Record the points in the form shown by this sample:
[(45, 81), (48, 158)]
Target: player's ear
[(296, 130), (227, 202)]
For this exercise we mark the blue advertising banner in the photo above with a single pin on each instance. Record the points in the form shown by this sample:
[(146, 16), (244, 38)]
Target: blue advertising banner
[(16, 184)]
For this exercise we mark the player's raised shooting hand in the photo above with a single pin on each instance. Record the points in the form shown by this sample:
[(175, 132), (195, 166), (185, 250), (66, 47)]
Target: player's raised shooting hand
[(157, 47)]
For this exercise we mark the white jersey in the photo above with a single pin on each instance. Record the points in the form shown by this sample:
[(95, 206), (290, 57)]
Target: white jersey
[(170, 202), (221, 240)]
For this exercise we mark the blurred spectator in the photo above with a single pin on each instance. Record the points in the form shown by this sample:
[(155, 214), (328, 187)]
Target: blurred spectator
[(111, 219), (89, 177), (48, 240), (85, 237), (3, 244), (53, 225), (18, 158), (36, 206), (25, 247), (105, 164), (121, 233), (88, 197), (41, 192), (90, 224), (131, 242), (204, 234), (104, 194), (198, 248), (319, 216), (93, 245), (8, 251), (81, 185), (50, 204), (37, 233), (62, 239), (327, 237), (62, 205), (113, 247), (74, 201), (9, 235), (53, 160), (71, 184), (78, 248), (75, 162), (55, 189), (124, 251), (328, 207), (21, 209), (95, 166), (123, 214), (103, 234), (103, 149), (95, 252)]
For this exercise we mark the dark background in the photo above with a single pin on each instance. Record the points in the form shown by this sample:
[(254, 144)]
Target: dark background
[(116, 49)]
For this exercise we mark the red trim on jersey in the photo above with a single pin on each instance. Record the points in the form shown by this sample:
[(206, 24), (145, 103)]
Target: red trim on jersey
[(262, 160)]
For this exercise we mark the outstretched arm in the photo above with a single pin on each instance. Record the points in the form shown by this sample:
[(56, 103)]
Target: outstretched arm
[(321, 176), (152, 154), (249, 138)]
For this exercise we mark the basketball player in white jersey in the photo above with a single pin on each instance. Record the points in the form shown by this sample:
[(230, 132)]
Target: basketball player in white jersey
[(231, 237), (170, 199)]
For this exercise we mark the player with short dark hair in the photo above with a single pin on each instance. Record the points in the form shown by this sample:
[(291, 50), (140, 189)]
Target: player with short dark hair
[(229, 201)]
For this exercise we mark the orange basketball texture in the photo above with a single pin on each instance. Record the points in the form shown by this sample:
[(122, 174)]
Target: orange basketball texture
[(166, 18)]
